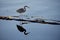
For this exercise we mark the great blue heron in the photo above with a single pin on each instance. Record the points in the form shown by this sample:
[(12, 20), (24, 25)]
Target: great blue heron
[(22, 10), (21, 29)]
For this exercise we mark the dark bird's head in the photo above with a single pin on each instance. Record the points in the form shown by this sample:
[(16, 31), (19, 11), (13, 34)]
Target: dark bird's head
[(26, 6), (26, 33)]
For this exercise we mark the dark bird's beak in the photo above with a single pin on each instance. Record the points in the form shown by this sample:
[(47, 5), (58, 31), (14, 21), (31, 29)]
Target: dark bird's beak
[(28, 7)]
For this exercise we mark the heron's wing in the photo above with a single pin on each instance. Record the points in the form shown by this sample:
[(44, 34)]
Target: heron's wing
[(20, 10)]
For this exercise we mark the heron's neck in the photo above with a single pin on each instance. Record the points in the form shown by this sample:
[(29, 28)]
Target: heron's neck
[(25, 8)]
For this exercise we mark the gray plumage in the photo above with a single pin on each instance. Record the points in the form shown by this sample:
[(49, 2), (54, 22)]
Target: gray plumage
[(22, 10)]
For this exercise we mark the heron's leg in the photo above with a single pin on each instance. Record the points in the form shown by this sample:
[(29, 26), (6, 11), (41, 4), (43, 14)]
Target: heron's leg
[(23, 22), (21, 16), (20, 23)]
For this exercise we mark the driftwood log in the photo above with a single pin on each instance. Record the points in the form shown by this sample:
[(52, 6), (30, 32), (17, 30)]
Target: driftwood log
[(33, 21)]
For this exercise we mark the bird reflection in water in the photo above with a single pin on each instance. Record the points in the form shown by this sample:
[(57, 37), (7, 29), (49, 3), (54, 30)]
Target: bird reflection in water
[(21, 29)]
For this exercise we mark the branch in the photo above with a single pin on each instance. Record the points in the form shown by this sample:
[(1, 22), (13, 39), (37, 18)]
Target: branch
[(33, 21)]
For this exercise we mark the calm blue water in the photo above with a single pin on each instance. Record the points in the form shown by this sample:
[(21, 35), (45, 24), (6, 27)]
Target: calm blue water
[(49, 9)]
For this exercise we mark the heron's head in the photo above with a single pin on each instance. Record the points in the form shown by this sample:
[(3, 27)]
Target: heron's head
[(27, 6)]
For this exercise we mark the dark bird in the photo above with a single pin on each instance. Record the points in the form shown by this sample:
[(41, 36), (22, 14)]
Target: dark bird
[(21, 29), (22, 10)]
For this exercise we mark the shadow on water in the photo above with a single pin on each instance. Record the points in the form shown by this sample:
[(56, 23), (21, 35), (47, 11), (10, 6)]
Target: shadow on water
[(21, 29)]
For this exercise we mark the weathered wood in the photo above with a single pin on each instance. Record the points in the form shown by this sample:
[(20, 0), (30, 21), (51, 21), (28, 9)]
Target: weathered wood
[(33, 21)]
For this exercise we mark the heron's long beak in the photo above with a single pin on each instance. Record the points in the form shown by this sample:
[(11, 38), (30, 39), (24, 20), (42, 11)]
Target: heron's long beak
[(28, 7)]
